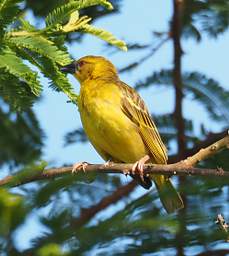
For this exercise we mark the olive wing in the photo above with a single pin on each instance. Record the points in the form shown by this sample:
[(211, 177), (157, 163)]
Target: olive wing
[(134, 107)]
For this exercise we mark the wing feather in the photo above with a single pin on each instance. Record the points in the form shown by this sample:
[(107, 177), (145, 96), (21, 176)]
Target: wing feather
[(134, 107)]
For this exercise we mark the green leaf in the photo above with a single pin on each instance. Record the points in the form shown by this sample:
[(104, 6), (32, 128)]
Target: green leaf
[(211, 17), (25, 25), (42, 46), (14, 65), (50, 249), (8, 12), (75, 23), (18, 95), (59, 81), (22, 137), (27, 172), (192, 31), (104, 35), (61, 14), (12, 211)]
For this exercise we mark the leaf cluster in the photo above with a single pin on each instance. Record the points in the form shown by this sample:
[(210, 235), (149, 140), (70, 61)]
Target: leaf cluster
[(26, 52)]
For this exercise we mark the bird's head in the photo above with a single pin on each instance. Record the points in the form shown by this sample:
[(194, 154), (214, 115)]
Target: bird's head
[(91, 67)]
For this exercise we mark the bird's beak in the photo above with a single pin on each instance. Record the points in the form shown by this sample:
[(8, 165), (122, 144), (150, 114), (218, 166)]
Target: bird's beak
[(70, 68)]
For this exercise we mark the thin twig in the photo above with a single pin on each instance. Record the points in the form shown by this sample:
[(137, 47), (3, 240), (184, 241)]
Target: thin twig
[(147, 56), (208, 151)]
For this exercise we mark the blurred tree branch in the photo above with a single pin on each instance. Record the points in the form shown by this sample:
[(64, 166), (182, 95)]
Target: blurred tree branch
[(176, 30), (88, 213), (153, 50), (181, 168)]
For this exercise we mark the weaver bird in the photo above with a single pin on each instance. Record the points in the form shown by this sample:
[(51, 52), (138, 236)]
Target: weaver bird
[(118, 124)]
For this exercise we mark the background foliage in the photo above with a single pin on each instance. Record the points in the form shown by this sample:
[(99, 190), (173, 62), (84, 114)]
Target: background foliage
[(72, 211)]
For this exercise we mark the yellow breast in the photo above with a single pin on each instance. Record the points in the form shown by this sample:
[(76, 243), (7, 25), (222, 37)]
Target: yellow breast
[(110, 131)]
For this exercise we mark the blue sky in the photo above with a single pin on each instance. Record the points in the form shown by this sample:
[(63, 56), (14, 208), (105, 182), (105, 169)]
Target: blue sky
[(135, 23)]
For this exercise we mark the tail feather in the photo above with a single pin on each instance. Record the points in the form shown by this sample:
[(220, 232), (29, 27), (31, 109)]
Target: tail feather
[(170, 198)]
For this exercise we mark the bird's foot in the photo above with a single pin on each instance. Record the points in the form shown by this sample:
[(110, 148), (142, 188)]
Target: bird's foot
[(108, 163), (139, 167), (79, 167)]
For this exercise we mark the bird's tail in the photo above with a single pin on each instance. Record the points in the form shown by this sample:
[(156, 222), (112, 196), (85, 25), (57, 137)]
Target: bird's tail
[(170, 198)]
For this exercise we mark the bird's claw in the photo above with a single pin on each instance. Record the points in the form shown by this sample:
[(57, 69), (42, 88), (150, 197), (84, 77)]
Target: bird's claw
[(139, 167), (79, 166)]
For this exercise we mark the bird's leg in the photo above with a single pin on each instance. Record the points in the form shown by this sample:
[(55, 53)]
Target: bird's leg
[(79, 166), (139, 165)]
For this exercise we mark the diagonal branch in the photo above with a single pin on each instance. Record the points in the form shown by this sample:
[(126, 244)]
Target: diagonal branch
[(147, 56), (208, 151), (88, 213), (181, 168)]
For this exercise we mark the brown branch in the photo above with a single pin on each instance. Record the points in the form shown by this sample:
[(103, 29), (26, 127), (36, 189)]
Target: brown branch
[(87, 214), (177, 75), (179, 169), (182, 168)]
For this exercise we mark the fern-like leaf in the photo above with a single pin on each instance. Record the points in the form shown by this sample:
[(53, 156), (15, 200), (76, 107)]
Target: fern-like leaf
[(8, 12), (75, 23), (104, 35), (25, 25), (61, 14), (16, 93), (211, 17), (211, 95), (59, 81), (42, 46), (22, 140), (14, 65)]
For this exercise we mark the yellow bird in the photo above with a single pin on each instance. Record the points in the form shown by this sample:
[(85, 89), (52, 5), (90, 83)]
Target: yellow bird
[(118, 124)]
